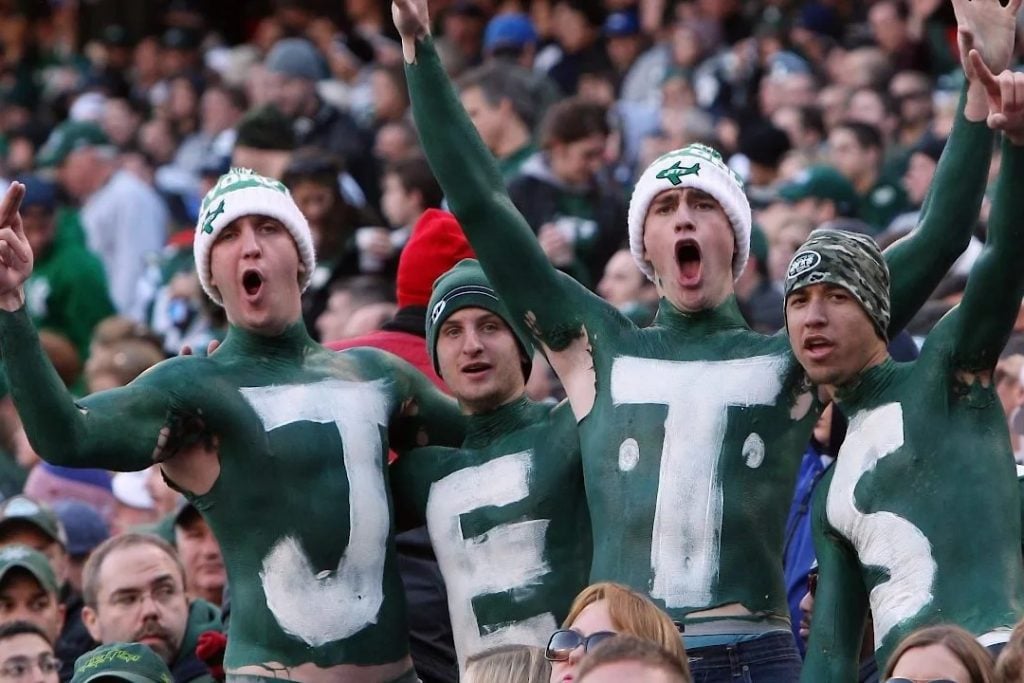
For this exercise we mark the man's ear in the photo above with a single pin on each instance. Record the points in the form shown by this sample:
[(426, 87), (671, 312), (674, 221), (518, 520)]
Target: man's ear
[(91, 621)]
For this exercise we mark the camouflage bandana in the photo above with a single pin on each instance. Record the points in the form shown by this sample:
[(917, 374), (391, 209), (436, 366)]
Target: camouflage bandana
[(849, 260)]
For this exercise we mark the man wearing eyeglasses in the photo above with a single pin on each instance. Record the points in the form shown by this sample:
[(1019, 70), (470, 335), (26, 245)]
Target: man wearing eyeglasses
[(506, 512), (26, 654), (134, 587)]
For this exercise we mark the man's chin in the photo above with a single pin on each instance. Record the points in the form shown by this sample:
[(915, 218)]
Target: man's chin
[(161, 647)]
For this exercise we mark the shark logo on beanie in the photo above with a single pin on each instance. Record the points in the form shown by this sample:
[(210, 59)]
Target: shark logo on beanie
[(244, 192), (700, 167)]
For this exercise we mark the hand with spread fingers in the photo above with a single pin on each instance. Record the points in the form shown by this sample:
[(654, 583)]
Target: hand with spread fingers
[(1005, 94), (15, 252)]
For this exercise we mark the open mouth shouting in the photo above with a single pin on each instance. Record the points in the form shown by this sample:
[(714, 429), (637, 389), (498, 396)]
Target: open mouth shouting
[(252, 282), (688, 258), (818, 347)]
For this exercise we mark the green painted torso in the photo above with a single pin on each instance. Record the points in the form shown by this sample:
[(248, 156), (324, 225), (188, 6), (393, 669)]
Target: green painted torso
[(921, 491), (508, 520), (300, 508), (695, 442)]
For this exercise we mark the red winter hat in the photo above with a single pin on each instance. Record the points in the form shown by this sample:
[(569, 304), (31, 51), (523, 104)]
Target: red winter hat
[(436, 245)]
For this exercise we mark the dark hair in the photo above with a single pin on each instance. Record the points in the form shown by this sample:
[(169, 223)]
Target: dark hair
[(366, 289), (310, 164), (91, 571), (17, 628), (959, 642), (811, 118), (902, 9), (415, 174), (572, 120), (235, 96), (627, 648), (867, 135), (498, 82), (265, 128)]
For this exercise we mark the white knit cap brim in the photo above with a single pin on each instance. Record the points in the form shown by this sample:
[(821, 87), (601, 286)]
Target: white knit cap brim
[(697, 166), (242, 192)]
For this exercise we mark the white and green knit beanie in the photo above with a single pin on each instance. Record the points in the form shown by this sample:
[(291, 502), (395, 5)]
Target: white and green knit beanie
[(244, 192), (700, 167)]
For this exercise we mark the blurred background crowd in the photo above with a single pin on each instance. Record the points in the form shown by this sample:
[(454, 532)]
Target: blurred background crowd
[(119, 115)]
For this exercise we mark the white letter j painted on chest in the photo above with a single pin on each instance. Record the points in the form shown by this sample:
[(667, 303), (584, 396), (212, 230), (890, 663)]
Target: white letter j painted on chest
[(346, 600), (687, 536)]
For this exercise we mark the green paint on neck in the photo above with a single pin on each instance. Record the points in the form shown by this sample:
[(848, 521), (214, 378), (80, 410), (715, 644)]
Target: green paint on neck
[(287, 344), (484, 427), (698, 323)]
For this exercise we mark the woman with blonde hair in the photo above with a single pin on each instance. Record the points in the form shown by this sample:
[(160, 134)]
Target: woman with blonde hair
[(507, 664), (600, 612), (944, 652)]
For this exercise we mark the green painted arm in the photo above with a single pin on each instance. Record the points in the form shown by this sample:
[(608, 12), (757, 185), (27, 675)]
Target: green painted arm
[(411, 477), (504, 243), (114, 430), (986, 315), (426, 416), (840, 605), (918, 262)]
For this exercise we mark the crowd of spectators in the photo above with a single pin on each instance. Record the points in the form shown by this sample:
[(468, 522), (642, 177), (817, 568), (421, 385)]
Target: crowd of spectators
[(118, 117)]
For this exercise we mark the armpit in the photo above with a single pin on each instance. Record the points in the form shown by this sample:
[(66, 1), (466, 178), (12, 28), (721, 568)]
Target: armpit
[(572, 358), (974, 388)]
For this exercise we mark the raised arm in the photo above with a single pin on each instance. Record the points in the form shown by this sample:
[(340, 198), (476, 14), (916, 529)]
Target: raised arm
[(984, 320), (118, 431), (840, 605), (505, 245), (920, 261)]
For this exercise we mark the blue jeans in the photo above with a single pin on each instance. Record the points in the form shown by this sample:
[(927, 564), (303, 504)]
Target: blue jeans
[(772, 658)]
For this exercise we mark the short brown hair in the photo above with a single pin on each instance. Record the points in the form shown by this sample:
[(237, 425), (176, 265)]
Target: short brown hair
[(627, 648), (91, 571), (573, 120), (632, 614), (962, 644)]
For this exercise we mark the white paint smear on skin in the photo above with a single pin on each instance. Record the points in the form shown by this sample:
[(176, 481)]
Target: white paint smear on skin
[(629, 455), (753, 451), (498, 561), (687, 535), (320, 607), (882, 539)]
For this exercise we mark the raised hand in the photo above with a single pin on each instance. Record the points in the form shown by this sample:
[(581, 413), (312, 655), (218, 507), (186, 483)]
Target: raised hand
[(15, 252), (412, 21), (1005, 94), (988, 27)]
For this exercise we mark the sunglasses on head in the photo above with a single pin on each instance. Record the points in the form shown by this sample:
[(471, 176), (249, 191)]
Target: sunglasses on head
[(565, 640), (919, 680)]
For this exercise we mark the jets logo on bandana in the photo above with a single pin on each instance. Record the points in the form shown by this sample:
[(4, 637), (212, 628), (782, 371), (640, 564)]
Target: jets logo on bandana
[(802, 263)]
